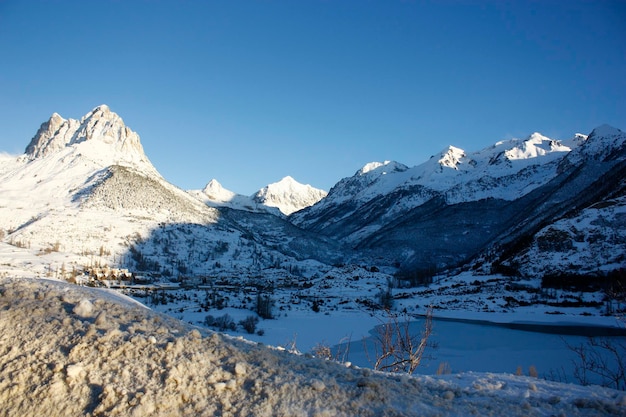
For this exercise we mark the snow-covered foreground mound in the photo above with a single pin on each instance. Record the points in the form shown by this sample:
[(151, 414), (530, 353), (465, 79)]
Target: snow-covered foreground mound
[(67, 350)]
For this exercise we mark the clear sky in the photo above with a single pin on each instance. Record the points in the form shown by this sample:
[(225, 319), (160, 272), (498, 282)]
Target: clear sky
[(248, 92)]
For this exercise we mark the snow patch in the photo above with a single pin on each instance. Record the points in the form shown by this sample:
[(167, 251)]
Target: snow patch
[(84, 308)]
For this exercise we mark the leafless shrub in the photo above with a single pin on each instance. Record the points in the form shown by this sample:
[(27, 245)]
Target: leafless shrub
[(291, 345), (396, 349), (54, 247), (601, 359), (324, 351), (20, 243), (249, 324)]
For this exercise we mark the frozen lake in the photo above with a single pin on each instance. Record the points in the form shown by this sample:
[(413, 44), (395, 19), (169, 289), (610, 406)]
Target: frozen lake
[(488, 347)]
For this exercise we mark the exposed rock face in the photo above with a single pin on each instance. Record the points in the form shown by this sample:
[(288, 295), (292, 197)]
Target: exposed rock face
[(52, 136), (100, 124)]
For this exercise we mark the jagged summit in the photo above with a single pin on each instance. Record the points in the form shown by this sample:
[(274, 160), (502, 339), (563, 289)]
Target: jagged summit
[(536, 145), (451, 157), (100, 124)]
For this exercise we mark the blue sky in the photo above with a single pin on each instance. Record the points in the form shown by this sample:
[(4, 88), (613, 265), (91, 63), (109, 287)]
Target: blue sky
[(249, 92)]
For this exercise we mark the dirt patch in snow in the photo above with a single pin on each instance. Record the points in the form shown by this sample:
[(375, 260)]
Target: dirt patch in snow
[(67, 350)]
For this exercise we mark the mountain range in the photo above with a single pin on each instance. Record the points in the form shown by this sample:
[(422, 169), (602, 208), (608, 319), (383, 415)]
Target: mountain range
[(281, 198), (84, 193), (458, 207)]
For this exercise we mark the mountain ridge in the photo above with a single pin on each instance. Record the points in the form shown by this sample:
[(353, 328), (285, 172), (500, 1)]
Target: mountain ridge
[(99, 124), (281, 198), (86, 187), (92, 186), (466, 202)]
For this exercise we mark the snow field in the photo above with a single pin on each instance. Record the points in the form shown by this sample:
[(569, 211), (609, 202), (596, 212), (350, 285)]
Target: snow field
[(68, 350)]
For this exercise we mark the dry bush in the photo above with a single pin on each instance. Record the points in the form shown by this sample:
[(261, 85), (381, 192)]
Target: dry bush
[(324, 351), (396, 349), (444, 369), (601, 359)]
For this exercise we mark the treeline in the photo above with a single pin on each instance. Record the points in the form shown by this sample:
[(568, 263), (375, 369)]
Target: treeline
[(613, 281)]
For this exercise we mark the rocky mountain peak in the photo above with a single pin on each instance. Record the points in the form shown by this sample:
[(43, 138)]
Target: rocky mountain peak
[(52, 136), (451, 157), (100, 124)]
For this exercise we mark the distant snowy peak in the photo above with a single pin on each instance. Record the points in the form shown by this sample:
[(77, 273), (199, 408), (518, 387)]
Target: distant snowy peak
[(281, 198), (452, 157), (215, 192), (99, 125), (603, 142), (577, 140), (606, 131), (500, 156), (602, 139), (506, 170), (288, 195), (381, 168), (536, 145)]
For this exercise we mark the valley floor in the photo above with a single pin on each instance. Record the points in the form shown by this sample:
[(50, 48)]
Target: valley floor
[(69, 350)]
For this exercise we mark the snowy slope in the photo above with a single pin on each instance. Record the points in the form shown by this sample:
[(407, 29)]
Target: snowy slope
[(575, 244), (85, 198), (288, 195), (75, 175), (68, 350), (281, 198), (447, 210), (506, 170), (87, 190)]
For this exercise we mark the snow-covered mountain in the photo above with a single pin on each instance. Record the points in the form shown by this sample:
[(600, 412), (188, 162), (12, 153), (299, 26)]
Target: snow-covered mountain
[(215, 195), (288, 195), (84, 193), (99, 125), (499, 171), (580, 222), (447, 210), (84, 204), (281, 198), (85, 188)]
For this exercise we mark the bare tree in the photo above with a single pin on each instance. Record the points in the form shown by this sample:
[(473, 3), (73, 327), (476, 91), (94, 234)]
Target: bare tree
[(602, 361), (396, 349)]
